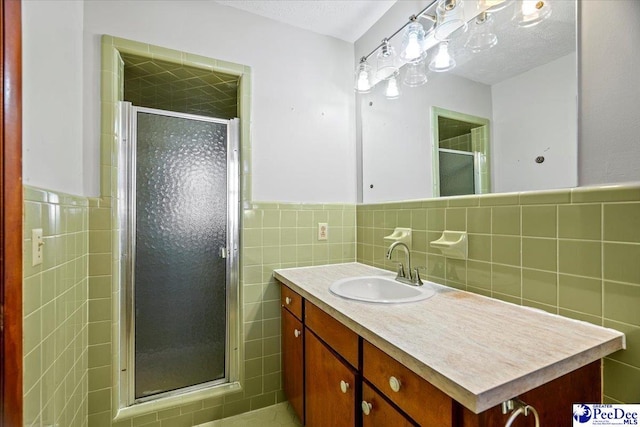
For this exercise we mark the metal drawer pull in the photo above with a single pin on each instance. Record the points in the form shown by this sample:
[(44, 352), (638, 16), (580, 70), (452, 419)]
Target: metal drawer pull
[(366, 407), (296, 333), (344, 386), (394, 383), (287, 300)]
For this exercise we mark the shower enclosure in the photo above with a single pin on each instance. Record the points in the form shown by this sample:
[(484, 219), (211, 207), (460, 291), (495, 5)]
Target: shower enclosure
[(460, 172), (179, 242)]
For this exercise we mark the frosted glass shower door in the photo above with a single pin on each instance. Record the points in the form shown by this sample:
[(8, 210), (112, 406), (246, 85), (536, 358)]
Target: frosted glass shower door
[(456, 173), (180, 194)]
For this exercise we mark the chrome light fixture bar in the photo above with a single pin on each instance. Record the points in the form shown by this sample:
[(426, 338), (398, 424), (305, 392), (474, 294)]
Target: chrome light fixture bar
[(412, 18), (447, 17)]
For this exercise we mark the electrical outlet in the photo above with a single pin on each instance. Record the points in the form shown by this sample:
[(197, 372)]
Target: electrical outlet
[(323, 230), (36, 246)]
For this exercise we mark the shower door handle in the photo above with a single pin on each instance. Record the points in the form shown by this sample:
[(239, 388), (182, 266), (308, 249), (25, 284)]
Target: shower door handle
[(223, 253)]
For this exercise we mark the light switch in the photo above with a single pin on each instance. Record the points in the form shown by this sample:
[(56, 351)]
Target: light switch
[(37, 245), (323, 230)]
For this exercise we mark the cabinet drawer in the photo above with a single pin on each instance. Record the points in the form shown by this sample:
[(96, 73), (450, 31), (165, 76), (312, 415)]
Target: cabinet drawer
[(427, 405), (377, 412), (340, 338), (291, 301)]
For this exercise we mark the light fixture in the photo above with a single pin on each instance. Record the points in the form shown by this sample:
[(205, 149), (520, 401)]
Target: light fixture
[(392, 91), (482, 36), (415, 74), (443, 60), (363, 77), (493, 5), (448, 21), (387, 66), (449, 18), (413, 42), (528, 13)]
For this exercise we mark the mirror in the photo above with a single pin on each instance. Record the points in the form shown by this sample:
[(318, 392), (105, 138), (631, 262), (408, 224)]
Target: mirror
[(504, 119)]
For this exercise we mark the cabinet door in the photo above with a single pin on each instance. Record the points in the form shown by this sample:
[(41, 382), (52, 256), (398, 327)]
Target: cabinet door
[(377, 412), (293, 362), (552, 400), (330, 387)]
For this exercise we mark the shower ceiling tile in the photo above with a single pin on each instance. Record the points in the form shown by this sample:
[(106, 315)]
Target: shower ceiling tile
[(165, 85), (182, 73)]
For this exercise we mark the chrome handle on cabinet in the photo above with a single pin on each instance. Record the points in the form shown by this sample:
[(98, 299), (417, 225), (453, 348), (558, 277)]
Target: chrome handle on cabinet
[(296, 333), (366, 407), (344, 386), (394, 383), (287, 300)]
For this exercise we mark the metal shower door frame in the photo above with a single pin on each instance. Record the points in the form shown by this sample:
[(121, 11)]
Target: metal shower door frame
[(127, 233)]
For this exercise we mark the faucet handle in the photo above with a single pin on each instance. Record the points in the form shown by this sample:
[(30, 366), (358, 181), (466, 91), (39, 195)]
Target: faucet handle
[(416, 277), (401, 272)]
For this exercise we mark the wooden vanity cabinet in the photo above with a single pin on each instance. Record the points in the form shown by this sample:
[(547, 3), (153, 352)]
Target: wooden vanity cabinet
[(331, 374), (293, 350)]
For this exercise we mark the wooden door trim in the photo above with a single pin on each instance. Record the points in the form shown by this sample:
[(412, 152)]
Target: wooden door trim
[(11, 215)]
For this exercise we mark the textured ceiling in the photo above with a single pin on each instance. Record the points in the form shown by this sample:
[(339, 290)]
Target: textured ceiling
[(519, 49), (164, 85), (343, 19)]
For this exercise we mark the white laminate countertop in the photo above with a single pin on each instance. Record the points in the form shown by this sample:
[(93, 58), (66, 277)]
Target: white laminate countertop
[(478, 350)]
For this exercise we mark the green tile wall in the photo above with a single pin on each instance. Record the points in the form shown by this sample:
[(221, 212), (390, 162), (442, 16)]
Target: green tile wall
[(55, 310), (280, 236), (569, 252)]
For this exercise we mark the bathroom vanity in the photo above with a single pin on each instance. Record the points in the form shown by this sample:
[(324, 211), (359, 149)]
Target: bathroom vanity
[(450, 360)]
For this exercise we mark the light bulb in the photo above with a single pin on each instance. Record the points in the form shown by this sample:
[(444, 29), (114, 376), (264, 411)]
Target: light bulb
[(392, 91), (531, 12), (363, 82), (412, 42), (493, 5), (413, 49), (529, 7), (363, 78), (442, 61)]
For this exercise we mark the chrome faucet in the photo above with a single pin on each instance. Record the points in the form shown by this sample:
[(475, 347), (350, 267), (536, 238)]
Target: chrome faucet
[(414, 276)]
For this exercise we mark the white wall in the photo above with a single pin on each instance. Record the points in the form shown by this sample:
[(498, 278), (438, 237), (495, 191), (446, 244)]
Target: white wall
[(535, 114), (303, 127), (52, 95), (609, 149), (303, 122), (397, 143)]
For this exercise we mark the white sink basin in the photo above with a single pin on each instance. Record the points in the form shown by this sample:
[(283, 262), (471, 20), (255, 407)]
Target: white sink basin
[(379, 289)]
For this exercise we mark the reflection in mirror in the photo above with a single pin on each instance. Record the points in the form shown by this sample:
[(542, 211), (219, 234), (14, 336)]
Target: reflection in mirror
[(516, 78), (461, 154)]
